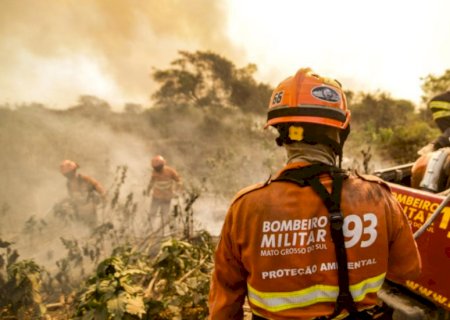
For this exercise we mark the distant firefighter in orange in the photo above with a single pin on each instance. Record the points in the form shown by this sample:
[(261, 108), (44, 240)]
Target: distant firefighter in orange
[(164, 184), (85, 192)]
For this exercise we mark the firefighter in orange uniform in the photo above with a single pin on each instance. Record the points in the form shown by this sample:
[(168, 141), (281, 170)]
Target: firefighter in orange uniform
[(440, 108), (85, 193), (314, 241), (165, 183), (431, 171)]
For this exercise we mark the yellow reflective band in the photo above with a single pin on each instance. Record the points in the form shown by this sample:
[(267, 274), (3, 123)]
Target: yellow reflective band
[(441, 114), (278, 301), (360, 290), (440, 105)]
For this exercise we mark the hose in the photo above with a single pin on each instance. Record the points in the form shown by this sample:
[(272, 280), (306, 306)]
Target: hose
[(430, 220)]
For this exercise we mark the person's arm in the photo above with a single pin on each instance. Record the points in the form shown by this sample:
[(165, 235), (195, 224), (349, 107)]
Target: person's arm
[(69, 189), (178, 182), (228, 283), (100, 189), (150, 186), (97, 186), (404, 257), (443, 140)]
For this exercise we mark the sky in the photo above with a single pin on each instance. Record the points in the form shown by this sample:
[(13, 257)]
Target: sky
[(53, 51)]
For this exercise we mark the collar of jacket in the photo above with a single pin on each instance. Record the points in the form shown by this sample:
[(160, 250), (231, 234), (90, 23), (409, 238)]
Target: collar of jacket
[(317, 153), (289, 166)]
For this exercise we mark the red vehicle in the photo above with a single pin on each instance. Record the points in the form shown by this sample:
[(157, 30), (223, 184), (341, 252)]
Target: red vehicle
[(429, 214)]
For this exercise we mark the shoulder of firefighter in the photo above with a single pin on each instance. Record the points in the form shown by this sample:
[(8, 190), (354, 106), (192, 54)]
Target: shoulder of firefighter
[(374, 179), (97, 186), (248, 189), (442, 141), (276, 249), (164, 183), (173, 174), (167, 173)]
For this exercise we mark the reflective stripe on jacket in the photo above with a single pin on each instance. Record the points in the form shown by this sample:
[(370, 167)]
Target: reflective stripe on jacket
[(163, 183), (277, 301), (84, 189), (276, 249)]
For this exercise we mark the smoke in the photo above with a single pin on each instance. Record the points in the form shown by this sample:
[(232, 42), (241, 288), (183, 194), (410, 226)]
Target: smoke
[(53, 51), (34, 141)]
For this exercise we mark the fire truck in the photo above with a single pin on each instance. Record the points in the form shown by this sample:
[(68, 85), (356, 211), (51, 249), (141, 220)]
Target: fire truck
[(428, 211)]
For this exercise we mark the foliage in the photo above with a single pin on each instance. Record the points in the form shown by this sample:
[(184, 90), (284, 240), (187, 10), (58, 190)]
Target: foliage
[(172, 285), (91, 107), (381, 111), (433, 85), (114, 292), (82, 256), (392, 128), (402, 143), (20, 284), (180, 283), (206, 79)]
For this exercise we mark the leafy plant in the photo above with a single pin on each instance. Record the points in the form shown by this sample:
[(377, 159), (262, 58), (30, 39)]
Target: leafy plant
[(130, 285), (20, 284), (180, 283), (115, 291)]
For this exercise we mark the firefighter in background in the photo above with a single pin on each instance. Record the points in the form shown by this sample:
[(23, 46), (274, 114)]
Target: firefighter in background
[(164, 184), (314, 240), (440, 108), (431, 171), (84, 192)]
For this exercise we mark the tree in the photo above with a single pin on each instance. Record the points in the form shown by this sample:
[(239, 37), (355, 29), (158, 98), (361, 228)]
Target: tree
[(91, 107), (133, 108), (433, 85), (403, 143), (206, 79), (391, 127), (246, 93), (379, 110)]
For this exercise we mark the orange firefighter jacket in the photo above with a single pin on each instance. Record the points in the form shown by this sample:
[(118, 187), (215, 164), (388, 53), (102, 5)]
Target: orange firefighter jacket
[(163, 183), (276, 249), (82, 188)]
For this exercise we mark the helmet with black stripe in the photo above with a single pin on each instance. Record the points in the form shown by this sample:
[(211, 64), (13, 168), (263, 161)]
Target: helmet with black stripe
[(440, 108), (312, 104)]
